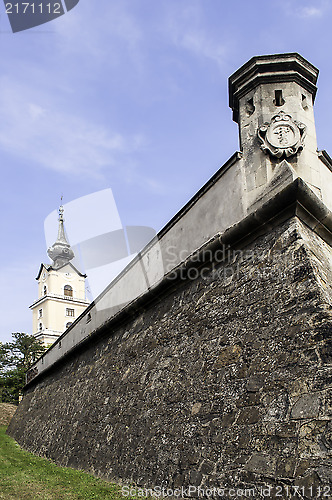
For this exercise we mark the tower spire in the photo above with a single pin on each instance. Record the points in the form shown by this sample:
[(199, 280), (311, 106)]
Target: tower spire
[(61, 252)]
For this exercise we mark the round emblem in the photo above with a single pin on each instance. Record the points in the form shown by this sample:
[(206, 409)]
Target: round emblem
[(282, 136)]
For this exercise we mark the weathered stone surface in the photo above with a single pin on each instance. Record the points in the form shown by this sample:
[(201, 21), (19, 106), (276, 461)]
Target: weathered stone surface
[(228, 356), (222, 381), (286, 468), (248, 416), (207, 467), (195, 478), (308, 406), (262, 464)]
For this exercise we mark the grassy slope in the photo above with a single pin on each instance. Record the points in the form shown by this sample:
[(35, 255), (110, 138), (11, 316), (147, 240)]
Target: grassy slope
[(24, 476)]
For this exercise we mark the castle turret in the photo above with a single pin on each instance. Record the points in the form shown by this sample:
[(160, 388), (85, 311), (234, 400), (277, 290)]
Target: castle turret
[(272, 99)]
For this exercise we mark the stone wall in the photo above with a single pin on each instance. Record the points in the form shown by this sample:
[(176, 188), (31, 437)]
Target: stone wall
[(225, 381)]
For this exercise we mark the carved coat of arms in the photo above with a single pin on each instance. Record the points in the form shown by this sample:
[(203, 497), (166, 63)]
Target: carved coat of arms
[(282, 135)]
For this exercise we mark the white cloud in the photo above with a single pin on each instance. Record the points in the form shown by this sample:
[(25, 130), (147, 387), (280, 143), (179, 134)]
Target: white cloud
[(35, 127), (198, 43), (185, 27), (41, 118), (309, 11), (105, 36)]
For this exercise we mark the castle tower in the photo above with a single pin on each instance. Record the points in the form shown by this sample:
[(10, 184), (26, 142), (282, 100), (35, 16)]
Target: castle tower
[(272, 99), (61, 291)]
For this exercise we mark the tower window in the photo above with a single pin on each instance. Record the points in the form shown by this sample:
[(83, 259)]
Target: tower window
[(68, 291), (40, 313), (45, 290), (304, 102), (250, 108), (68, 324), (70, 312), (278, 101), (40, 326)]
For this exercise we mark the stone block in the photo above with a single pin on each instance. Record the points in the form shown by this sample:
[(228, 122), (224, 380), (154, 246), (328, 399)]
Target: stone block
[(307, 406), (196, 478), (228, 356), (248, 415), (286, 468), (262, 464), (207, 467)]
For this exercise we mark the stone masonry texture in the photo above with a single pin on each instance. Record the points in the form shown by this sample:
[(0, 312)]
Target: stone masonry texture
[(226, 381)]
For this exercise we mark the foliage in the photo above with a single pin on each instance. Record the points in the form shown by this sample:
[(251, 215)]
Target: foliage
[(15, 359), (24, 476)]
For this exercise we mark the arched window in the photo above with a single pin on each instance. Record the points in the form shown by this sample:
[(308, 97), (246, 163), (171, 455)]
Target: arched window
[(68, 291), (68, 324), (45, 290)]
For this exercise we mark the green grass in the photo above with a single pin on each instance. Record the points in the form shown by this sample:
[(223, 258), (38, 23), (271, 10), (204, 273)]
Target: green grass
[(24, 476)]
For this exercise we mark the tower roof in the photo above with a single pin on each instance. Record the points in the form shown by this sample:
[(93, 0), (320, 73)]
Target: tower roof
[(60, 252), (48, 267), (271, 69)]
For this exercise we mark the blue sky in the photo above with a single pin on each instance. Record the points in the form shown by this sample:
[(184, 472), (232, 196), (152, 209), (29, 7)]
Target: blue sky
[(132, 95)]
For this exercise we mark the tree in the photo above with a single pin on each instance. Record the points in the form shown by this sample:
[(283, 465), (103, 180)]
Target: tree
[(15, 359)]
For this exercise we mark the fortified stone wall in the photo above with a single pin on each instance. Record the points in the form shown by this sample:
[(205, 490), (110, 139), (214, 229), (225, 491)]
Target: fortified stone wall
[(224, 381), (217, 370)]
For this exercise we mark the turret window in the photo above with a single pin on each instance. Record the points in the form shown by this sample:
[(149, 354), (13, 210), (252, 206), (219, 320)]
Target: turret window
[(68, 291), (45, 290), (250, 108), (40, 313), (279, 100), (70, 312), (40, 326), (304, 102)]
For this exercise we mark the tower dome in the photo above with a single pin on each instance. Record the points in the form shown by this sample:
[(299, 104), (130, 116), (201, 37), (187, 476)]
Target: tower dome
[(60, 252)]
